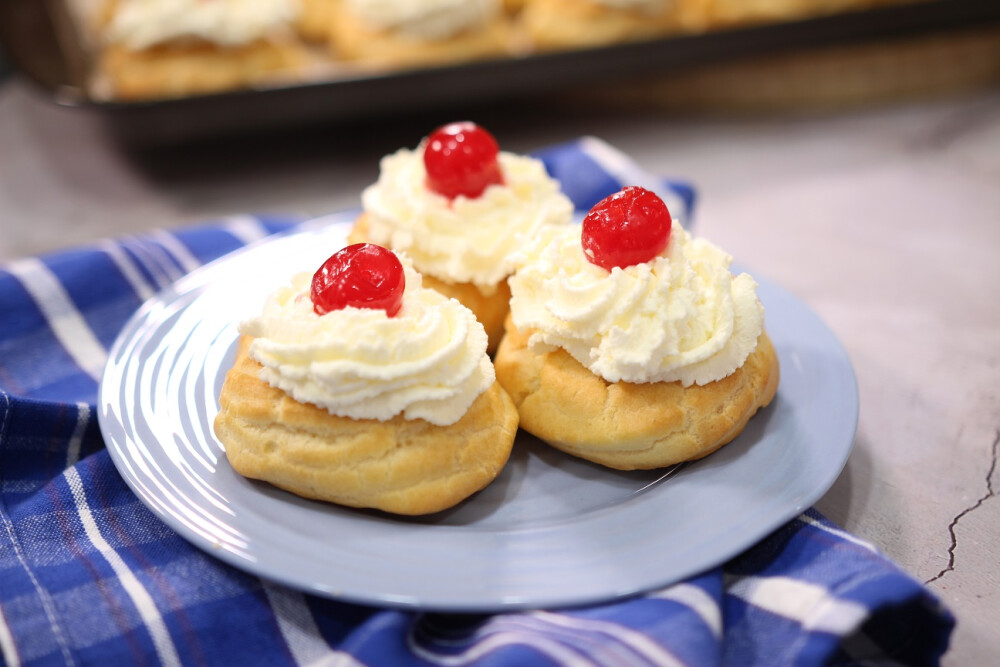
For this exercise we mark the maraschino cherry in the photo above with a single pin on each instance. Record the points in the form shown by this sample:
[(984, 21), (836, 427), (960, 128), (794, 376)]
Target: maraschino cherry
[(363, 275), (461, 159), (630, 227)]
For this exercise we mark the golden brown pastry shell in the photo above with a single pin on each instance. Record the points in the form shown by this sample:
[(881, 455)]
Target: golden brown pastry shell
[(728, 13), (179, 70), (568, 24), (400, 466), (630, 426), (316, 19)]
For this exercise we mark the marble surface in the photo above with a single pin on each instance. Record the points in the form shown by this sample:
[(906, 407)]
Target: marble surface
[(886, 221)]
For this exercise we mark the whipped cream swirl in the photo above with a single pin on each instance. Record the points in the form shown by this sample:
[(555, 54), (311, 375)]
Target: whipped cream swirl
[(426, 19), (427, 362), (462, 240), (680, 317), (140, 24)]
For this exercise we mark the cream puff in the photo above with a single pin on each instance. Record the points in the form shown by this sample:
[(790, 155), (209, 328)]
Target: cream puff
[(630, 343), (173, 48), (357, 386)]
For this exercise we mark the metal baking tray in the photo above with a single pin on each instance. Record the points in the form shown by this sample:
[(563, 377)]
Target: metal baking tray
[(40, 43)]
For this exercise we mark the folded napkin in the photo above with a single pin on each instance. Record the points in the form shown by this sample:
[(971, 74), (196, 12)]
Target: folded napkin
[(88, 575)]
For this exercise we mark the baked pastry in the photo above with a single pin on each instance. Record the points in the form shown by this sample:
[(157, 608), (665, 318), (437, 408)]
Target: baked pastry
[(459, 208), (360, 387), (630, 344), (569, 24), (726, 13), (315, 21), (410, 33), (174, 48)]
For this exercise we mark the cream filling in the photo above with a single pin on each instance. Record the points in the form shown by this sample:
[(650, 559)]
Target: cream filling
[(140, 24), (462, 240), (680, 317), (427, 362), (425, 19)]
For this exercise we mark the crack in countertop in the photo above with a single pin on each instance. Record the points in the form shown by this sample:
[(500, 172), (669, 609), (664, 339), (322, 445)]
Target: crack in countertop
[(990, 492)]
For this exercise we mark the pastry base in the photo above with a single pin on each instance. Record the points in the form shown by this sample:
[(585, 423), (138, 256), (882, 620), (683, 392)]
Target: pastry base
[(491, 310), (352, 39), (180, 70), (316, 19), (630, 426), (569, 24), (728, 13), (401, 466)]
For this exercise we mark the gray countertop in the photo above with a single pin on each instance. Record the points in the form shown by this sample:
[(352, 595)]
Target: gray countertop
[(886, 221)]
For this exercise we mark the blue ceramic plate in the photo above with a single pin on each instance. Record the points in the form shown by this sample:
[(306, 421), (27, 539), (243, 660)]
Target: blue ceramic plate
[(550, 531)]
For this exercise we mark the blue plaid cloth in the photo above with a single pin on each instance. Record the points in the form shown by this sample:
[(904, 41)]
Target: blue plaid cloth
[(89, 576)]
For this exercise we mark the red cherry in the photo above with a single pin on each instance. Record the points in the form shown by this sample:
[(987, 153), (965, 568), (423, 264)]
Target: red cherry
[(461, 159), (362, 275), (630, 227)]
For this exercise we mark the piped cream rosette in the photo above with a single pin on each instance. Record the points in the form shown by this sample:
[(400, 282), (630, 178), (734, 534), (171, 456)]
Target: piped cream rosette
[(427, 362), (141, 24), (404, 33), (427, 20), (680, 317), (464, 240)]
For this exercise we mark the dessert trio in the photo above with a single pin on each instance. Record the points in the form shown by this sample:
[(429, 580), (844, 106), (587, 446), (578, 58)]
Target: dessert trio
[(467, 305), (149, 49)]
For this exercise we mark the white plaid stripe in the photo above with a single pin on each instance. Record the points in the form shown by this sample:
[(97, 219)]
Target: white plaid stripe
[(8, 651), (698, 601), (166, 652), (245, 228), (127, 266), (65, 321)]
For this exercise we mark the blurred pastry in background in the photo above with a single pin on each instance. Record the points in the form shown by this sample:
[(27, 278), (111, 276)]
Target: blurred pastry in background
[(513, 6), (316, 19), (724, 13), (174, 48), (405, 33), (569, 24)]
